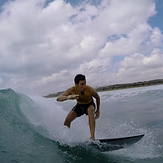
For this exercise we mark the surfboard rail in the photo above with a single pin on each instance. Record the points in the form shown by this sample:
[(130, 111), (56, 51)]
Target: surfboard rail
[(116, 143), (122, 140)]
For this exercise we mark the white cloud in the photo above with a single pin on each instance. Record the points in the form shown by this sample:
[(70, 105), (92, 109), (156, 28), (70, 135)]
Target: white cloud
[(139, 67), (156, 37), (44, 47), (154, 60)]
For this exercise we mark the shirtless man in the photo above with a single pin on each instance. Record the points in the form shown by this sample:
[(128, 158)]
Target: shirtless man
[(83, 94)]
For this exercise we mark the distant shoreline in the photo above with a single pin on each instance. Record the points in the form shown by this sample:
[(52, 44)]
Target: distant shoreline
[(118, 86)]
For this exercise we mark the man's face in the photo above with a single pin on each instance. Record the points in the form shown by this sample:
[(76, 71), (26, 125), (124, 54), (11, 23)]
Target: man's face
[(81, 85)]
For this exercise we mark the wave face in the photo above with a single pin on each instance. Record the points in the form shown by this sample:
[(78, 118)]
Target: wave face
[(28, 124), (19, 139)]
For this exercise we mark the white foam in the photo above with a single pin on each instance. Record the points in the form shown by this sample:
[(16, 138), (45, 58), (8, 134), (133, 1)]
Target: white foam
[(125, 93), (146, 148), (49, 117)]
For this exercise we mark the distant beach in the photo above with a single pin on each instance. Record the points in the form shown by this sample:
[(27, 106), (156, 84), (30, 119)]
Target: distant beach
[(118, 86)]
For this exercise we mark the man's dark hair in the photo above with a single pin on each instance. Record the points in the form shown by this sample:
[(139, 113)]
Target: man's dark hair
[(78, 78)]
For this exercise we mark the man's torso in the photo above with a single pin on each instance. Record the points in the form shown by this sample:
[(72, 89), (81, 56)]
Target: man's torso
[(84, 97)]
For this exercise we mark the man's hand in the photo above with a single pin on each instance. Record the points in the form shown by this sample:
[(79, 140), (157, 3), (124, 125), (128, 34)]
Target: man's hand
[(97, 114), (72, 97)]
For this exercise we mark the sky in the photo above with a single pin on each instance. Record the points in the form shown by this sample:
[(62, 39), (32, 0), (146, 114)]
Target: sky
[(45, 43)]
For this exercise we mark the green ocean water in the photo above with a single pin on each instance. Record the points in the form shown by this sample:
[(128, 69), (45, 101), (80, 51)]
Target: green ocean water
[(29, 124)]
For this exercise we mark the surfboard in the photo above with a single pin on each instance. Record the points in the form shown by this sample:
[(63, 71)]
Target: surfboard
[(115, 143), (105, 145)]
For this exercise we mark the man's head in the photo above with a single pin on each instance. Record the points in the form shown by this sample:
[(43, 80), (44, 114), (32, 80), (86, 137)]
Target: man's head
[(78, 78), (80, 82)]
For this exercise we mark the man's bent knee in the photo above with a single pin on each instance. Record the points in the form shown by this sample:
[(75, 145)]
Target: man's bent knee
[(70, 117), (67, 124)]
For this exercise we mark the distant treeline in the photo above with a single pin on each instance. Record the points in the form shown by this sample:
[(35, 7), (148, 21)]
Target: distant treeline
[(119, 86)]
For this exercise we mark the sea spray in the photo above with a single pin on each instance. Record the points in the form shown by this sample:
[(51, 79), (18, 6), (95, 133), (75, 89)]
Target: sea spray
[(48, 118)]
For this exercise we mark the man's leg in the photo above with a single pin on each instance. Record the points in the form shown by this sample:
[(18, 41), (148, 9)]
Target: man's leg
[(91, 120), (70, 117)]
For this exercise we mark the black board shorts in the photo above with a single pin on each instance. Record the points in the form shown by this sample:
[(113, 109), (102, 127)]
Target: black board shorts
[(81, 109)]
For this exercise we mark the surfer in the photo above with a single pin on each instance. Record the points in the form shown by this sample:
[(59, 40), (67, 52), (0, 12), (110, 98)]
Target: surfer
[(83, 94)]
